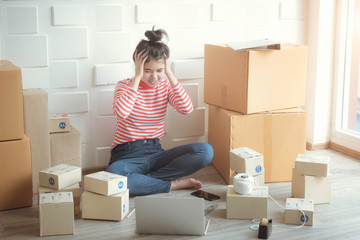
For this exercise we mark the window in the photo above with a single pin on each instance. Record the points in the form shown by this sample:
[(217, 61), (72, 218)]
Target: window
[(346, 120)]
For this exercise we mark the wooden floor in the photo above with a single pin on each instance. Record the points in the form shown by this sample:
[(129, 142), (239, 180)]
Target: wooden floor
[(338, 220)]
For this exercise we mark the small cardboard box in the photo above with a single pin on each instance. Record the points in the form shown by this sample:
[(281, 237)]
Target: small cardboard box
[(246, 160), (59, 122), (105, 183), (101, 207), (258, 179), (312, 165), (11, 102), (279, 136), (60, 176), (65, 148), (56, 213), (294, 216), (250, 81), (15, 174), (36, 128), (75, 189), (249, 206), (316, 188)]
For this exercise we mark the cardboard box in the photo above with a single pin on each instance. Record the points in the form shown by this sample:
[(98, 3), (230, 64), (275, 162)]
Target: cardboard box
[(11, 102), (294, 216), (316, 188), (56, 213), (60, 176), (15, 174), (250, 81), (105, 183), (312, 165), (59, 122), (65, 148), (75, 189), (249, 206), (259, 179), (246, 160), (36, 128), (279, 136), (96, 206)]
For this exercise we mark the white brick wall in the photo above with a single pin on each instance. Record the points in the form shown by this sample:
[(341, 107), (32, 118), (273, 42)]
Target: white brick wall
[(77, 51)]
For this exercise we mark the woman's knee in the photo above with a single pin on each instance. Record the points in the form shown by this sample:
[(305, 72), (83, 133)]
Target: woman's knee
[(206, 153)]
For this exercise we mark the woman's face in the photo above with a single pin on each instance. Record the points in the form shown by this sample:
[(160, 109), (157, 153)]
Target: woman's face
[(154, 72)]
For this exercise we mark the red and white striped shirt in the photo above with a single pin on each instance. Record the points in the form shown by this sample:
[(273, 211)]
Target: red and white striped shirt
[(141, 114)]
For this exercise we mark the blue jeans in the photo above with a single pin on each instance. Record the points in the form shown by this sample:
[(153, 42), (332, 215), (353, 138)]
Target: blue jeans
[(150, 169)]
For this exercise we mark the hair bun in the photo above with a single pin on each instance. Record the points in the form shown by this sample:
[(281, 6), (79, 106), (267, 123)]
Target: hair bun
[(155, 36)]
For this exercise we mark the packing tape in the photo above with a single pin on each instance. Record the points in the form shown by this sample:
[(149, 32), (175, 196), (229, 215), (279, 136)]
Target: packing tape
[(243, 183)]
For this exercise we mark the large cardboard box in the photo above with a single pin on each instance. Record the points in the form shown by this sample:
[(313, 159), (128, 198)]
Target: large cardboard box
[(312, 165), (15, 174), (11, 102), (249, 206), (36, 128), (279, 136), (250, 81), (246, 160), (294, 216), (65, 148), (75, 189), (101, 207), (56, 213), (316, 188), (60, 176), (105, 183)]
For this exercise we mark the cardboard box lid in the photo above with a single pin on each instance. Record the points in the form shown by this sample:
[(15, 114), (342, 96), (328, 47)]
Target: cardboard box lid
[(299, 203), (104, 176), (259, 192), (313, 159), (245, 153), (283, 46), (60, 169), (60, 197), (6, 65), (259, 44)]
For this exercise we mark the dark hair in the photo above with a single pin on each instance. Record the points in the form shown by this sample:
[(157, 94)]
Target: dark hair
[(154, 46)]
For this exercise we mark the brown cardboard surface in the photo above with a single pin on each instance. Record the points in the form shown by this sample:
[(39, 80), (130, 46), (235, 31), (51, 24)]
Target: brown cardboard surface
[(15, 174), (11, 102), (316, 188), (65, 148), (105, 183), (36, 128), (280, 137), (251, 81)]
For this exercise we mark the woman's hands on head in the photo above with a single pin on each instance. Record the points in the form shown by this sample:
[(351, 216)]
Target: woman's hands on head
[(140, 59)]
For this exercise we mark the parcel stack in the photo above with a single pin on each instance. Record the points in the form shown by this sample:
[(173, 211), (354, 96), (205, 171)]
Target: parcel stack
[(65, 141), (106, 196), (254, 97), (311, 178), (246, 160), (15, 154), (61, 178)]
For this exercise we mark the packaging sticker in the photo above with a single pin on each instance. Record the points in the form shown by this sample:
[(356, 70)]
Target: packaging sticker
[(51, 181), (62, 125), (121, 184)]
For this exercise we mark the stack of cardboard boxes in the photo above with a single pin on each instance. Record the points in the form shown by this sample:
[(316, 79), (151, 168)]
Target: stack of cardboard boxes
[(15, 155), (65, 141), (311, 178), (253, 98), (246, 160), (106, 196), (59, 193)]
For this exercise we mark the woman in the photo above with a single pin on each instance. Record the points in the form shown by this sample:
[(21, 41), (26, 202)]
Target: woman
[(140, 105)]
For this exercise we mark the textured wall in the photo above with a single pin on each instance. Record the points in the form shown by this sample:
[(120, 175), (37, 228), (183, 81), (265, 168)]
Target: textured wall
[(78, 50)]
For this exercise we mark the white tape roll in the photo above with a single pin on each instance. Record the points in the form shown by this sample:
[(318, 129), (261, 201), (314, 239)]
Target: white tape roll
[(243, 183)]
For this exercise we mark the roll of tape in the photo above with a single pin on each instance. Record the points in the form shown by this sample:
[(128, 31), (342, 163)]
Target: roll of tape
[(243, 183)]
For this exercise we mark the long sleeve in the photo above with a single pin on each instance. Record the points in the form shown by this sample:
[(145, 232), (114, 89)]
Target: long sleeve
[(124, 99), (180, 100)]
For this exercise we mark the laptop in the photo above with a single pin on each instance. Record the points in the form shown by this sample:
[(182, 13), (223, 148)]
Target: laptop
[(169, 215)]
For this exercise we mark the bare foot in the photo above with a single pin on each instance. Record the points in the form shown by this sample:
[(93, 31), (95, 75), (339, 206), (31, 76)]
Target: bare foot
[(185, 183)]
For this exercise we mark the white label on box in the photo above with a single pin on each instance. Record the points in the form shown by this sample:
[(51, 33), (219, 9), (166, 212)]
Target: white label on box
[(59, 197)]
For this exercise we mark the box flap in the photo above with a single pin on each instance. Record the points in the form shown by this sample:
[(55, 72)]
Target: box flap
[(60, 197), (260, 44)]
